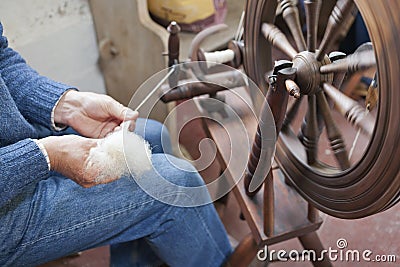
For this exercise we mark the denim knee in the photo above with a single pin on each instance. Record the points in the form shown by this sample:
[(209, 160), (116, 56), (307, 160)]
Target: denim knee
[(179, 171), (175, 180), (156, 134)]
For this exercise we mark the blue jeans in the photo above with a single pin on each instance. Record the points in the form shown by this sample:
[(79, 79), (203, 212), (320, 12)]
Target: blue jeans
[(57, 217)]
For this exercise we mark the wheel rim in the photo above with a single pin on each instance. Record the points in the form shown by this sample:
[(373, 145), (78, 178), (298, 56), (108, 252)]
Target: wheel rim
[(371, 183)]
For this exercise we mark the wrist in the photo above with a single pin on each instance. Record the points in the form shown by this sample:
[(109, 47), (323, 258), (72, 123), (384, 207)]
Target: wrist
[(64, 108), (53, 147)]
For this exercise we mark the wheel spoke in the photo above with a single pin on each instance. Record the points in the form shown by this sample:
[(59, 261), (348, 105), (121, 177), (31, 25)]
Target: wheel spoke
[(292, 112), (341, 13), (355, 62), (313, 8), (309, 133), (278, 39), (337, 82), (339, 77), (335, 137), (290, 14), (351, 110)]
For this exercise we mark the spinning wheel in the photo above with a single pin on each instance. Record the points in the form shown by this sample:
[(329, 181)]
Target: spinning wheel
[(337, 185), (320, 127)]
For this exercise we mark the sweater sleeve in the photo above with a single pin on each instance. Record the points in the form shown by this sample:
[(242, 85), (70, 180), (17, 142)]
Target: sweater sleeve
[(21, 164), (34, 95)]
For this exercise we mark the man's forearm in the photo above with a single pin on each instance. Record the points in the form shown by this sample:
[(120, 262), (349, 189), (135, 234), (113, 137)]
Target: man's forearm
[(21, 164)]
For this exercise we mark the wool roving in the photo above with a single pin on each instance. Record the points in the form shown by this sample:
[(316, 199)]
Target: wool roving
[(120, 153)]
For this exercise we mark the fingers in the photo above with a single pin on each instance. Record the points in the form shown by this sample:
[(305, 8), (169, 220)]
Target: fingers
[(124, 114), (120, 112), (132, 126), (108, 128), (91, 181)]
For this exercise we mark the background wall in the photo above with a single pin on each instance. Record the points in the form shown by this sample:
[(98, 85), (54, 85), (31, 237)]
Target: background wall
[(57, 38)]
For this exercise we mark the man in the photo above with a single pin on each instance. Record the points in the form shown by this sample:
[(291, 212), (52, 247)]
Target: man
[(50, 205)]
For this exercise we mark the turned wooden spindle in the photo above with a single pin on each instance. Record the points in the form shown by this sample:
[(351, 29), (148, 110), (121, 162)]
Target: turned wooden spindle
[(212, 84), (278, 39), (173, 51), (352, 63), (309, 133), (290, 14), (313, 8), (341, 12), (351, 110), (173, 43), (191, 90), (335, 137)]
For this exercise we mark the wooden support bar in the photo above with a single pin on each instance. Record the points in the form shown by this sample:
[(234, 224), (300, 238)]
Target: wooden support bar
[(312, 213), (244, 253), (269, 205), (312, 242)]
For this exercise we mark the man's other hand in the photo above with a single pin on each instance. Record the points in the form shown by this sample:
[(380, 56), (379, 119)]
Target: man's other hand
[(92, 115), (68, 155)]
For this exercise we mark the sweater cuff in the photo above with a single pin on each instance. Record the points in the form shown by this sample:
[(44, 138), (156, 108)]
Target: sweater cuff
[(44, 152), (49, 94)]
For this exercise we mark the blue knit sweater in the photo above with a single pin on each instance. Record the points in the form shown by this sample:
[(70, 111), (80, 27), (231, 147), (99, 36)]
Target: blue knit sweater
[(26, 98)]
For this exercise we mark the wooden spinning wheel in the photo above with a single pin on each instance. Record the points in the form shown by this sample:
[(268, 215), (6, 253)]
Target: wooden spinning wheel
[(341, 187), (319, 118)]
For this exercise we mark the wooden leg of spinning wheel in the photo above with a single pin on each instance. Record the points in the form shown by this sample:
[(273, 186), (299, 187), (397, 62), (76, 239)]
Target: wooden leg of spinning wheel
[(244, 253), (269, 205), (312, 242)]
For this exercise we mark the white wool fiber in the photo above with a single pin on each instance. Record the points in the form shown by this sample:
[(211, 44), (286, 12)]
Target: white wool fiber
[(120, 153)]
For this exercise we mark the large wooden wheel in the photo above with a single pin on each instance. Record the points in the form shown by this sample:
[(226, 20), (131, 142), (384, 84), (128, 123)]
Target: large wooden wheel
[(324, 125)]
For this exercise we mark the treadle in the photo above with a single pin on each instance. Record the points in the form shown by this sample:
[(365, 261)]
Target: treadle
[(290, 208)]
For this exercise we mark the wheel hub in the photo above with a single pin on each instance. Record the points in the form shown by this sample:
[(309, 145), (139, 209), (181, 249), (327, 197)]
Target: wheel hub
[(308, 76)]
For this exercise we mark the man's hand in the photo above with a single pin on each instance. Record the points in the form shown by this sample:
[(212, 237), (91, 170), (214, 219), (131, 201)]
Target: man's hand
[(68, 155), (92, 115)]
